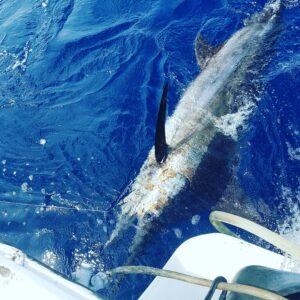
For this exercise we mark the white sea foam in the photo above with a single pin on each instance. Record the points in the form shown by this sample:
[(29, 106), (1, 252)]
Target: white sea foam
[(50, 258), (290, 228), (294, 153), (178, 233), (45, 3), (195, 219), (230, 124), (290, 3), (42, 142), (21, 61), (24, 187)]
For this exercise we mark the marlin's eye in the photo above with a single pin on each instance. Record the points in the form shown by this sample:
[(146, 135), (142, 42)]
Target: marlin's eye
[(148, 217)]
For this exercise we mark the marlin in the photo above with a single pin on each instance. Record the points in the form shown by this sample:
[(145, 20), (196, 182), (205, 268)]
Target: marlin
[(182, 140)]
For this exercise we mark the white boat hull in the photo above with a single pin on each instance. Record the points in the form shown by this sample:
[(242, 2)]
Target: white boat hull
[(24, 278), (209, 256)]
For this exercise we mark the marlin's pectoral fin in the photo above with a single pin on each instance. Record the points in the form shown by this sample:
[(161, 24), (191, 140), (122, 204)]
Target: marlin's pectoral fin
[(161, 147), (204, 51)]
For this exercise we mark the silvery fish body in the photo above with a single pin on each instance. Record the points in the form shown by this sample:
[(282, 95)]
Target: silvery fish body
[(192, 126)]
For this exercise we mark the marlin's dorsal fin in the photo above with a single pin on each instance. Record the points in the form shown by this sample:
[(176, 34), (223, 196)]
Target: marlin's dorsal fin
[(161, 147), (204, 51)]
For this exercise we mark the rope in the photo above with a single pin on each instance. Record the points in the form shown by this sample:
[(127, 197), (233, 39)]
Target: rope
[(217, 218), (233, 287)]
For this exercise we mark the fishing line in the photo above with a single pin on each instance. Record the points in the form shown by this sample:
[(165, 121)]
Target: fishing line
[(45, 207)]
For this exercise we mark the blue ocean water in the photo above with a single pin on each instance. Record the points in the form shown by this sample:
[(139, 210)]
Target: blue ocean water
[(80, 88)]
